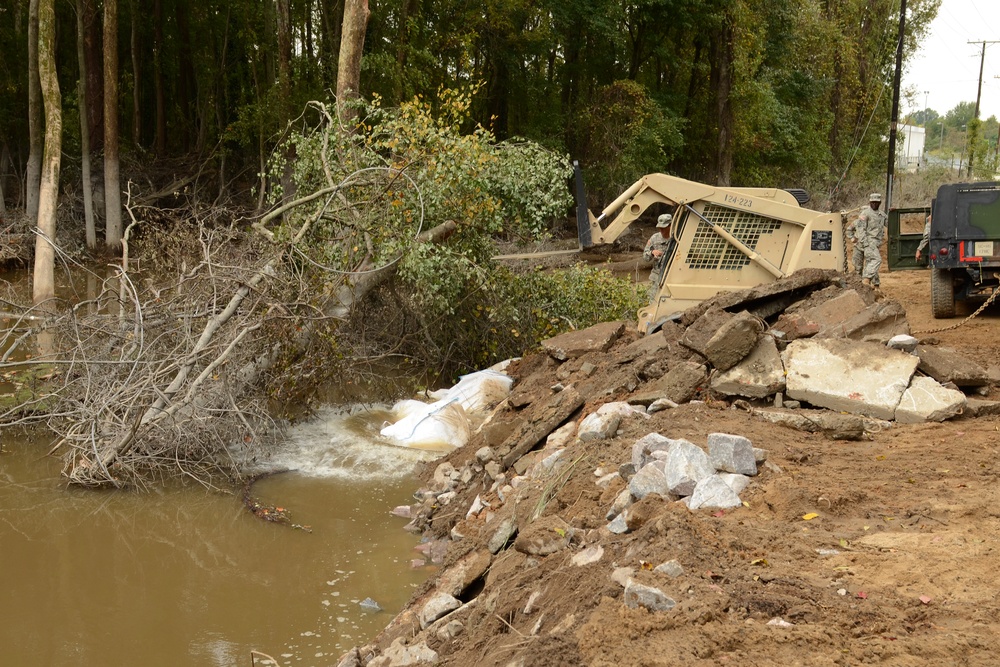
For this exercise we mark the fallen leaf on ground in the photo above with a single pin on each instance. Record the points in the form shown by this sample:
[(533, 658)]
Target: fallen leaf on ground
[(925, 599), (862, 595), (810, 516)]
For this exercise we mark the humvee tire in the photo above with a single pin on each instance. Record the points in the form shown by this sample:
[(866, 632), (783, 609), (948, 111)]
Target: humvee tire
[(942, 293)]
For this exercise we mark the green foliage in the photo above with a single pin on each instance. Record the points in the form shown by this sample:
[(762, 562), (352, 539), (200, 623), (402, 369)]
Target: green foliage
[(405, 171), (624, 134)]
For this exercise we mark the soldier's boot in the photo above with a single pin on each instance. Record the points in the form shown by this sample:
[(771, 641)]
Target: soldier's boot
[(866, 281)]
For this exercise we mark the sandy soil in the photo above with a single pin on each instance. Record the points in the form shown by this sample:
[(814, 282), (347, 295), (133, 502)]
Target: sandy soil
[(896, 567)]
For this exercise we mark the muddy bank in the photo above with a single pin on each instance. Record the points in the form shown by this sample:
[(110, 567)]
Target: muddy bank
[(866, 541)]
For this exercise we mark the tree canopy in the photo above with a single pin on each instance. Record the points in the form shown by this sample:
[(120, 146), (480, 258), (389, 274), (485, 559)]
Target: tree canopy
[(787, 92)]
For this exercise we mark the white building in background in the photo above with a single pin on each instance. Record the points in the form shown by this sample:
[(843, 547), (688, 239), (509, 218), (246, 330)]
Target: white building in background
[(910, 147)]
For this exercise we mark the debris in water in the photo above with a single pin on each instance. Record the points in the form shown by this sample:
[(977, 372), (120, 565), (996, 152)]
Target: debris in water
[(370, 605)]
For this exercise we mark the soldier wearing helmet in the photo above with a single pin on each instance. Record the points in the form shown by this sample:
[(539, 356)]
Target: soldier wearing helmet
[(867, 233), (658, 249)]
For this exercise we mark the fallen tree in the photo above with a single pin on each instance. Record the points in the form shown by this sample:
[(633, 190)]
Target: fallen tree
[(167, 365)]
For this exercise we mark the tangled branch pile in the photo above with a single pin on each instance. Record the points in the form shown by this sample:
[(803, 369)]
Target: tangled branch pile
[(165, 367)]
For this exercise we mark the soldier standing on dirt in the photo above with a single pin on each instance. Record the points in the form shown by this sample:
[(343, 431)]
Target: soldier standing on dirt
[(658, 249), (867, 233), (925, 240)]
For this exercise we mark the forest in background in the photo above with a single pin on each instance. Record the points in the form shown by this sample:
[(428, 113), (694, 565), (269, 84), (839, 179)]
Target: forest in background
[(788, 93)]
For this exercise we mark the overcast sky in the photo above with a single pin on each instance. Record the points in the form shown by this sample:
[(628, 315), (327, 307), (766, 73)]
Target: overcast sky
[(945, 70)]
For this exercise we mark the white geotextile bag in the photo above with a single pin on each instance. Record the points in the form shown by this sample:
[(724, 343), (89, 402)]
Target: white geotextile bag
[(438, 426)]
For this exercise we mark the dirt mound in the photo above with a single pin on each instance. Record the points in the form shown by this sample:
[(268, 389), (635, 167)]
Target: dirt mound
[(868, 550)]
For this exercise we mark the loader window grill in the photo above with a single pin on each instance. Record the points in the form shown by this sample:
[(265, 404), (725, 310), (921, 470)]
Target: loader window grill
[(711, 251)]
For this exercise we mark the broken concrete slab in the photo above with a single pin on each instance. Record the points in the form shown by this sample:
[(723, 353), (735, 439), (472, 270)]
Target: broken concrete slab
[(978, 407), (808, 321), (849, 376), (733, 340), (732, 453), (903, 342), (878, 322), (544, 536), (769, 298), (834, 425), (598, 338), (697, 335), (679, 385), (686, 464), (947, 365), (759, 375), (926, 400), (439, 605), (537, 425), (464, 572)]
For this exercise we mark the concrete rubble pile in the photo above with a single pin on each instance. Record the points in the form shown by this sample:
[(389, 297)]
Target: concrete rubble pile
[(817, 351)]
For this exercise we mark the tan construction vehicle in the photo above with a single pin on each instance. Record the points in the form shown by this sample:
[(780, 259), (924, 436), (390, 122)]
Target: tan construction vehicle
[(726, 238)]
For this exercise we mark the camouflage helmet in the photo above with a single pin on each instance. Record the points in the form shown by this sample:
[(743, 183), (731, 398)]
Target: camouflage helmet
[(875, 196), (664, 220)]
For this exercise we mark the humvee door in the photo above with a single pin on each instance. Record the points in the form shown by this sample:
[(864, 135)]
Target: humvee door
[(905, 229)]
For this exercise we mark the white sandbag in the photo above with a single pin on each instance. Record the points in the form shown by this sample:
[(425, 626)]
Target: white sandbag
[(439, 426), (480, 391)]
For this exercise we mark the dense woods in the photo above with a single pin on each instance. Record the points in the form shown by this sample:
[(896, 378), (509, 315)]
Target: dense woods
[(788, 92)]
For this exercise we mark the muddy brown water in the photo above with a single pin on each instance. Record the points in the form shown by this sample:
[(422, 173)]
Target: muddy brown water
[(188, 577)]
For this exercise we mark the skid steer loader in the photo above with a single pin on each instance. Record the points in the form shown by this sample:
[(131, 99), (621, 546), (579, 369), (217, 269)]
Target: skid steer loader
[(726, 238)]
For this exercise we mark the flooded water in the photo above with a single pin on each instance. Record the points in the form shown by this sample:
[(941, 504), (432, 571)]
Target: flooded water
[(189, 577)]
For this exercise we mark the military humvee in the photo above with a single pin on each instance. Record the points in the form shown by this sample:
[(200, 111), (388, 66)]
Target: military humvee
[(963, 246), (727, 238)]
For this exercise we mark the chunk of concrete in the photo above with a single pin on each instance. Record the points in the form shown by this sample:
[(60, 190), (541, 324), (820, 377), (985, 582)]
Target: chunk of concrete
[(588, 556), (653, 599), (927, 400), (686, 465), (978, 407), (702, 330), (466, 570), (737, 483), (850, 376), (834, 425), (646, 445), (651, 478), (400, 655), (671, 568), (620, 504), (809, 321), (903, 342), (545, 536), (573, 344), (946, 365), (679, 384), (757, 376), (878, 322), (439, 605), (713, 493), (733, 341), (505, 530), (732, 453)]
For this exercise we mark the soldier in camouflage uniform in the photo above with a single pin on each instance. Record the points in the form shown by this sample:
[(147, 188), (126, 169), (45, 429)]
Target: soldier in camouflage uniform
[(658, 248), (867, 233)]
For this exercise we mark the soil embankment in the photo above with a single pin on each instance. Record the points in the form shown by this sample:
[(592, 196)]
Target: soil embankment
[(876, 549)]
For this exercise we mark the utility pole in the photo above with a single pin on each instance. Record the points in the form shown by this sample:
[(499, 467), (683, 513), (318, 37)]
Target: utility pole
[(890, 170), (979, 95)]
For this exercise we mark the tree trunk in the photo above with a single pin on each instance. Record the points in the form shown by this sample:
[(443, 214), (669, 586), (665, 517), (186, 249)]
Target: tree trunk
[(722, 82), (43, 285), (284, 50), (331, 21), (3, 178), (34, 169), (352, 43), (136, 77), (161, 105), (90, 228), (94, 54), (185, 79), (112, 189)]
